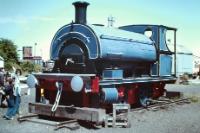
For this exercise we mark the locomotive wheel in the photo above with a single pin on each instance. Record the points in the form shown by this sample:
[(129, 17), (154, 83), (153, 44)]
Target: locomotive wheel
[(144, 101), (144, 93)]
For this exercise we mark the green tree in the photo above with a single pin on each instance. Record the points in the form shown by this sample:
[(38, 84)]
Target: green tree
[(29, 67), (9, 52)]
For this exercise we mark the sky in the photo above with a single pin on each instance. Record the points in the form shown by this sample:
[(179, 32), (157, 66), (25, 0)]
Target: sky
[(27, 22)]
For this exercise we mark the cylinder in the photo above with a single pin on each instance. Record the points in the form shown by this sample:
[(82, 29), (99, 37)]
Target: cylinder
[(109, 95), (80, 12)]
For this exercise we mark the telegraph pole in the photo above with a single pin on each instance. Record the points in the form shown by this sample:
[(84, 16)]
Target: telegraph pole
[(35, 49)]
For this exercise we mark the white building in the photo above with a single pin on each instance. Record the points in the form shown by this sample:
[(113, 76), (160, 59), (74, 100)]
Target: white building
[(184, 60)]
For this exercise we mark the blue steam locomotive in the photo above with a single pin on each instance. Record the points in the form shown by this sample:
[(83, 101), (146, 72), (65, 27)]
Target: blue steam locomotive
[(96, 66)]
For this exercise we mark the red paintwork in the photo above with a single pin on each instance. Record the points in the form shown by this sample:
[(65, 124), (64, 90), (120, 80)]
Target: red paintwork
[(132, 94), (85, 99), (128, 93), (95, 85), (158, 90), (121, 92), (49, 86)]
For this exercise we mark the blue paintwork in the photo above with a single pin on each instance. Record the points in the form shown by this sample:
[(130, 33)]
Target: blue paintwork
[(112, 74), (106, 43), (82, 32), (164, 66), (124, 45), (158, 36), (141, 29), (110, 95)]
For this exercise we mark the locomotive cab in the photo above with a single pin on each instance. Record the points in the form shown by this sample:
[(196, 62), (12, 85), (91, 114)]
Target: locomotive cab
[(162, 36)]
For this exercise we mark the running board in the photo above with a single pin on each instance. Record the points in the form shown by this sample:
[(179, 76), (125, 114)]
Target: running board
[(137, 80)]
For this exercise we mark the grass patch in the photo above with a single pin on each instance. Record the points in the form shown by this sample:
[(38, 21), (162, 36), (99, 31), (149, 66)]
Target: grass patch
[(194, 99)]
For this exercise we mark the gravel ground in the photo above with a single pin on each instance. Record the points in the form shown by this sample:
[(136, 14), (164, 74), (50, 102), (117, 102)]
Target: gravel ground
[(174, 119)]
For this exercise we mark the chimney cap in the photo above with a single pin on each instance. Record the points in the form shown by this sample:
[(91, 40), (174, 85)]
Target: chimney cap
[(81, 3)]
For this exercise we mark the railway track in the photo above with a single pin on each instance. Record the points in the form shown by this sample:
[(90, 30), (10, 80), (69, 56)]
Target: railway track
[(158, 104), (154, 106), (73, 124)]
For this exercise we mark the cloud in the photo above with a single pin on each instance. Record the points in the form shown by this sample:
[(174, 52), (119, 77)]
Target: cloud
[(43, 18), (25, 20), (19, 20)]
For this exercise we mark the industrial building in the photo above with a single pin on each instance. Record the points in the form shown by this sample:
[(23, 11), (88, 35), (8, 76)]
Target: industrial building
[(184, 61)]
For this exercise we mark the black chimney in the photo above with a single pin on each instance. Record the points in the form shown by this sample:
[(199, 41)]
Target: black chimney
[(80, 12)]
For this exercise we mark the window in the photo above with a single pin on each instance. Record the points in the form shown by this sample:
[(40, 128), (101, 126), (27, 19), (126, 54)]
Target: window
[(170, 39), (148, 33)]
